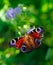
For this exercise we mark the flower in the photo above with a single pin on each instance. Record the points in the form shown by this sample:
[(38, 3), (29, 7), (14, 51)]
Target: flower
[(10, 13), (18, 10)]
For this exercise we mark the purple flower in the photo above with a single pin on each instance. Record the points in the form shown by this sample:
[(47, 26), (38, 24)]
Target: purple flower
[(18, 10), (10, 13)]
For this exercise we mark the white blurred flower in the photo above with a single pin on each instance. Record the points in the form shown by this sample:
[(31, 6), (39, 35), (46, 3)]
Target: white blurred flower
[(20, 5), (24, 8), (7, 55)]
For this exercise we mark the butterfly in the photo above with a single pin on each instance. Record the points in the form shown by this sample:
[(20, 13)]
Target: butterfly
[(31, 40)]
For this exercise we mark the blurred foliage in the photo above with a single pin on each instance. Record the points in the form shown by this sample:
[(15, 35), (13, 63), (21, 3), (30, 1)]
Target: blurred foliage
[(38, 13)]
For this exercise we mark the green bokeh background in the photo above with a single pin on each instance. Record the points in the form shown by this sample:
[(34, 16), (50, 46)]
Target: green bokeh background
[(38, 13)]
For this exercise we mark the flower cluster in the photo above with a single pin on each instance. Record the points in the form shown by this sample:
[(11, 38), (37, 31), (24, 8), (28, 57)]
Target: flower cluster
[(13, 12)]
